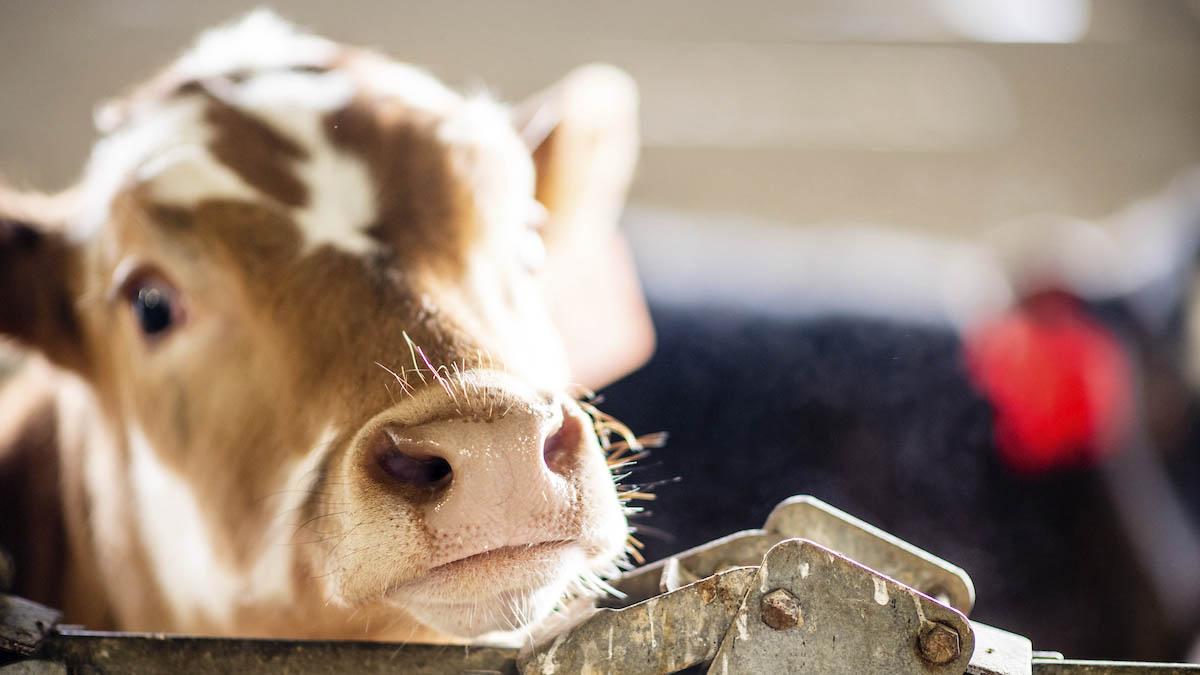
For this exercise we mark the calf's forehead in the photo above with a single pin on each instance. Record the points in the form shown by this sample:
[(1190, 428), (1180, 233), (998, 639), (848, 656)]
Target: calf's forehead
[(356, 152)]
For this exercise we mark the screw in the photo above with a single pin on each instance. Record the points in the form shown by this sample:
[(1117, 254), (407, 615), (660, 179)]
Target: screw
[(939, 643), (781, 610)]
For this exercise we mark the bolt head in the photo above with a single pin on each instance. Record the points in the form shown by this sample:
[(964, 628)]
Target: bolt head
[(781, 610), (939, 644)]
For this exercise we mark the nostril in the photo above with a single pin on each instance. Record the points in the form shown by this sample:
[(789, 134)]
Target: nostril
[(412, 471), (559, 448), (411, 463)]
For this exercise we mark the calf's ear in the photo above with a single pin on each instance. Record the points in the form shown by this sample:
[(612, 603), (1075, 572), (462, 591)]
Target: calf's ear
[(38, 268), (583, 133)]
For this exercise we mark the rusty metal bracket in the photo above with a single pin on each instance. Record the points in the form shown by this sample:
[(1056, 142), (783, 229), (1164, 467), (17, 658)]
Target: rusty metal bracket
[(663, 634), (809, 518), (24, 625), (811, 610)]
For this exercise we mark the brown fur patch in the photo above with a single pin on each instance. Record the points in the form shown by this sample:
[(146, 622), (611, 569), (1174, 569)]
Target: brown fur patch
[(257, 153), (420, 212), (31, 517)]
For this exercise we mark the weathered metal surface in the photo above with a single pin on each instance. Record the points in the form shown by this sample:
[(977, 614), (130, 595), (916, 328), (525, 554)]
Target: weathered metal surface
[(813, 519), (809, 518), (152, 654), (664, 634), (24, 624), (1072, 667), (999, 652), (781, 610), (741, 549), (34, 667), (855, 620)]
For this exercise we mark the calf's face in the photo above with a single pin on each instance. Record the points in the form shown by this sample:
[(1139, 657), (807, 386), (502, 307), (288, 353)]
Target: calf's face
[(300, 283)]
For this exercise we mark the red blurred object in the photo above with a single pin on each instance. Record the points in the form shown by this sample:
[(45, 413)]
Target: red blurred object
[(1059, 381)]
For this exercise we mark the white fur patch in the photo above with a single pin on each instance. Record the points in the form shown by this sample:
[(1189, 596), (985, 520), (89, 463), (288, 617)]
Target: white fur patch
[(195, 584), (258, 41), (407, 83), (506, 183), (169, 147), (341, 197), (175, 534), (164, 142), (271, 577)]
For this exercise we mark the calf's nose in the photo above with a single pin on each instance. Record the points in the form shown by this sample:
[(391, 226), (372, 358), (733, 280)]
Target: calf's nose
[(494, 478)]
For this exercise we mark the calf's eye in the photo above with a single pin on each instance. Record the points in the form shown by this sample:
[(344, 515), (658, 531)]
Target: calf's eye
[(153, 310), (155, 306)]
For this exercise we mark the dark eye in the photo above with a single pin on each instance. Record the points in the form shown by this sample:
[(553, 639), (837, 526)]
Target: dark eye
[(155, 306)]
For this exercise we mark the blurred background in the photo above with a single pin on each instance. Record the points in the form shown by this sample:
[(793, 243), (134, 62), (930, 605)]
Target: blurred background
[(888, 247), (933, 116)]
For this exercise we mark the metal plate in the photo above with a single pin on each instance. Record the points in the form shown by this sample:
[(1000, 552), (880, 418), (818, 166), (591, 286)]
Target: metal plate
[(99, 652), (742, 549), (999, 652), (34, 667), (848, 619), (664, 634), (813, 519), (810, 518), (24, 624), (1072, 667)]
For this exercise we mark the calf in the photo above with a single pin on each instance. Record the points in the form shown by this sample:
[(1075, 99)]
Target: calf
[(298, 376)]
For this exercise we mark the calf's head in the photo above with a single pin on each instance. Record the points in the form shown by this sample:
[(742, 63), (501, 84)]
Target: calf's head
[(298, 287)]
